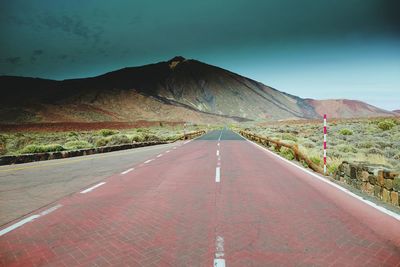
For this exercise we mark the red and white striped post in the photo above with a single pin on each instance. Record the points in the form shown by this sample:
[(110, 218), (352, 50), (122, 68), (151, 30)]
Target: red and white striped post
[(325, 144)]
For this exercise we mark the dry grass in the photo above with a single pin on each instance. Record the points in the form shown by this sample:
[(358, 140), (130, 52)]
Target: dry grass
[(376, 141), (14, 143)]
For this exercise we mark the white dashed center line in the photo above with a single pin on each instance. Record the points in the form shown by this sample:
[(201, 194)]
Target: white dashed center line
[(159, 155), (129, 170), (219, 252), (167, 151), (92, 188), (218, 174), (147, 161), (217, 152)]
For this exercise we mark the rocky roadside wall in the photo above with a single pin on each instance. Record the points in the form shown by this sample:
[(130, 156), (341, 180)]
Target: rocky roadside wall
[(373, 180), (7, 160)]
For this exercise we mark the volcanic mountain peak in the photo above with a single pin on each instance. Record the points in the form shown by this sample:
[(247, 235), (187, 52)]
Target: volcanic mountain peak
[(178, 89), (175, 61)]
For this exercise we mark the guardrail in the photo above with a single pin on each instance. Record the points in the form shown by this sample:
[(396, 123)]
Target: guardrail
[(191, 135), (268, 142)]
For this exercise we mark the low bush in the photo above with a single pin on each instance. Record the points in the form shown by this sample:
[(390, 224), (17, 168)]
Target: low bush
[(118, 139), (375, 151), (315, 159), (73, 134), (42, 148), (3, 143), (308, 144), (151, 137), (364, 145), (77, 145), (346, 149), (103, 141), (286, 153), (386, 125), (107, 132), (290, 137), (345, 131), (136, 137)]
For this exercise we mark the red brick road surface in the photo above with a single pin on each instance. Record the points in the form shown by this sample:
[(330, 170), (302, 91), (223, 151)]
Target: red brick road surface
[(170, 211)]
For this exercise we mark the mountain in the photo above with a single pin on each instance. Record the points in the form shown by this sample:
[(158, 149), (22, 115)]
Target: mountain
[(175, 90), (345, 108), (397, 111)]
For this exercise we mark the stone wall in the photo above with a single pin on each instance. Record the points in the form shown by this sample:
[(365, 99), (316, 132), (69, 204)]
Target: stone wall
[(371, 179)]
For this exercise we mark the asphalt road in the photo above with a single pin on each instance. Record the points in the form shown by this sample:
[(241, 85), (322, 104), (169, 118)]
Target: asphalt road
[(27, 187), (218, 201)]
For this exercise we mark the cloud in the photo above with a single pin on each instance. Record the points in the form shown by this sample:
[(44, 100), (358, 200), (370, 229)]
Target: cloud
[(73, 25), (13, 60), (37, 52)]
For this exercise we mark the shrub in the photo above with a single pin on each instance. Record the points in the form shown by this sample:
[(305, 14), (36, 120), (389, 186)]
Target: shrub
[(315, 159), (119, 139), (389, 152), (289, 137), (107, 132), (375, 151), (136, 137), (364, 145), (77, 145), (73, 134), (42, 148), (286, 153), (151, 137), (103, 141), (308, 144), (3, 142), (346, 149), (345, 131), (386, 125)]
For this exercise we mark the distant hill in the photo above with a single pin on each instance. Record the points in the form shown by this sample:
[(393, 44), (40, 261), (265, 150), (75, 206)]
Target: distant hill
[(175, 90), (397, 111), (345, 108)]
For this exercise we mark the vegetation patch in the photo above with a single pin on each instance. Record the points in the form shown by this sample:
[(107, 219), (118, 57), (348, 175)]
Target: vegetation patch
[(376, 141), (386, 125), (29, 149), (345, 132)]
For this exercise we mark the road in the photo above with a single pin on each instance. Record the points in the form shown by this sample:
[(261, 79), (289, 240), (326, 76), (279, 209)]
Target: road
[(219, 200)]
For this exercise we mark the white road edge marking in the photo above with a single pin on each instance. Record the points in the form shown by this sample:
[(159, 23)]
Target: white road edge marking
[(128, 170), (187, 142), (217, 152), (219, 252), (174, 147), (92, 188), (167, 151), (159, 155), (218, 174), (147, 161), (219, 138), (370, 203), (219, 263), (28, 219)]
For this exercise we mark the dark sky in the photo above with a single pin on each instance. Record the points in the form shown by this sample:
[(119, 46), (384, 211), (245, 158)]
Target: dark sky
[(310, 48)]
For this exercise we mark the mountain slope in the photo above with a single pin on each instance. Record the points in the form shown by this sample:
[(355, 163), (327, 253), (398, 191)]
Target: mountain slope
[(175, 90), (344, 108)]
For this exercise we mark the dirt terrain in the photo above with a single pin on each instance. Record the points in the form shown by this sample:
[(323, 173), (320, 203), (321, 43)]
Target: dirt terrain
[(80, 126)]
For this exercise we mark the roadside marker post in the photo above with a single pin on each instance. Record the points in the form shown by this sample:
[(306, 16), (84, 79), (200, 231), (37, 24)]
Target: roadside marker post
[(325, 132)]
